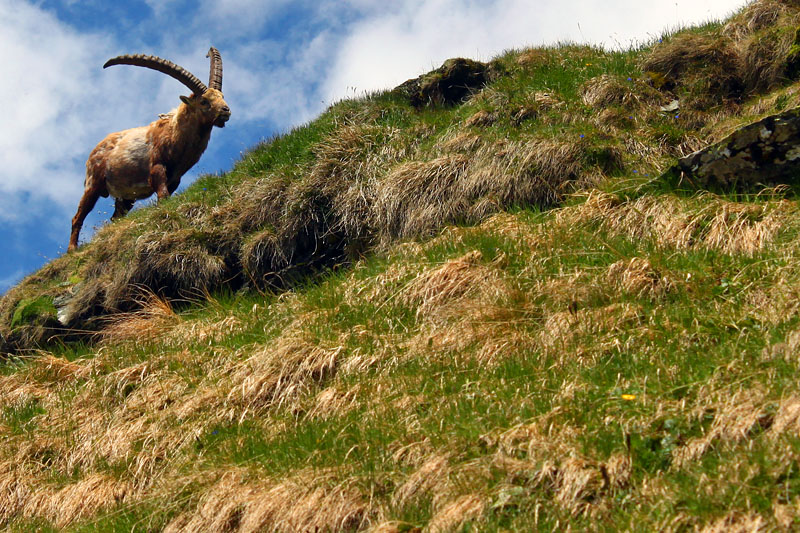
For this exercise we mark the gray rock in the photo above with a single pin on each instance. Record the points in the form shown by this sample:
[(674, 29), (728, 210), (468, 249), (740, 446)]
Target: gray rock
[(671, 107), (62, 302), (765, 153)]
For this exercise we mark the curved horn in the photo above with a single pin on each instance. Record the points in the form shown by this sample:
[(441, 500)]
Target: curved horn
[(215, 76), (162, 65)]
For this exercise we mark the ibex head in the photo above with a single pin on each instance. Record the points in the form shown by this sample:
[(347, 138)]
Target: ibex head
[(207, 101)]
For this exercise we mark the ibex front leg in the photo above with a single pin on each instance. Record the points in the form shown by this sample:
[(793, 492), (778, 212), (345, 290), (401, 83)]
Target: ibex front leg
[(158, 181)]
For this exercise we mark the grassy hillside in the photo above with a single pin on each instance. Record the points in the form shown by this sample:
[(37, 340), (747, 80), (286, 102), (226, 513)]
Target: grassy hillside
[(421, 315)]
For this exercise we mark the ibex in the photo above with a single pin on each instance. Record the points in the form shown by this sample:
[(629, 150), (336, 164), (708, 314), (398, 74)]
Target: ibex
[(133, 164)]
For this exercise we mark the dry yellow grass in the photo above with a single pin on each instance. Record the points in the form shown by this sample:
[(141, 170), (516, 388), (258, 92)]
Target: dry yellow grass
[(205, 331), (306, 501), (453, 280), (481, 119), (15, 391), (774, 304), (461, 302), (460, 141), (279, 374), (430, 477), (736, 417), (605, 91), (638, 278), (22, 495), (466, 303), (395, 526), (418, 193), (417, 197), (750, 55), (755, 17), (785, 514), (564, 333), (578, 485), (746, 229), (76, 501), (708, 64), (466, 306), (512, 227), (787, 417), (533, 57), (730, 227), (578, 482), (331, 402), (454, 515), (48, 368), (737, 523)]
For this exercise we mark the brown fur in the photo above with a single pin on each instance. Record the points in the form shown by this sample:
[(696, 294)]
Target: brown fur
[(133, 164)]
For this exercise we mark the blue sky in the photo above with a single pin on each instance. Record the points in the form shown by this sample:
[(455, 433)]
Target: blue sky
[(284, 62)]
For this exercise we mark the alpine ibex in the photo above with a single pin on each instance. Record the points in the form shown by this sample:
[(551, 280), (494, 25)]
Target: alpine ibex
[(133, 164)]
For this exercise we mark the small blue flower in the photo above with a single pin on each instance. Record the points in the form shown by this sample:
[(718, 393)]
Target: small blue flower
[(630, 79), (582, 136), (635, 171), (677, 116)]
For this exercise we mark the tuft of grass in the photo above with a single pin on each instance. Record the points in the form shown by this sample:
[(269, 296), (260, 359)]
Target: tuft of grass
[(19, 418)]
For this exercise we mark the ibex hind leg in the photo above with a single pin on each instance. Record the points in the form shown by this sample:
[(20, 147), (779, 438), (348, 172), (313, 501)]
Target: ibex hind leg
[(121, 208), (88, 200)]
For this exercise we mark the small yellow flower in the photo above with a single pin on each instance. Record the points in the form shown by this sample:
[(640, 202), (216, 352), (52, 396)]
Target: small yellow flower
[(629, 397)]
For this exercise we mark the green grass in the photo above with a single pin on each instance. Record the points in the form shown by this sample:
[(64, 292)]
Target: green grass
[(462, 401), (20, 418)]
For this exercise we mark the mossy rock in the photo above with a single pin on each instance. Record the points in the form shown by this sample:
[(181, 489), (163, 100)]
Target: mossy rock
[(33, 310), (793, 57), (658, 80), (762, 154), (451, 83)]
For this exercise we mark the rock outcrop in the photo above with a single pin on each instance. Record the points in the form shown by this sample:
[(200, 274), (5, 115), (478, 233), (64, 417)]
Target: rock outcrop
[(765, 153), (449, 84)]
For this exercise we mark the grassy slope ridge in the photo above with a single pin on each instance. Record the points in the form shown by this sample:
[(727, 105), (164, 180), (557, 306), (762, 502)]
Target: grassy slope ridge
[(485, 316)]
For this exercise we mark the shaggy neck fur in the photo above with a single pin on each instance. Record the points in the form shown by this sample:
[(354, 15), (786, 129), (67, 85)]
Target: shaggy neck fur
[(180, 140)]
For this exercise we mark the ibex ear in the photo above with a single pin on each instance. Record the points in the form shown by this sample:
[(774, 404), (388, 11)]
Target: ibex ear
[(186, 100)]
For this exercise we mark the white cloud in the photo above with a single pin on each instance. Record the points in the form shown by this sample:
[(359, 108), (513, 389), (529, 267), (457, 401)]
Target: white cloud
[(43, 73), (273, 81), (60, 104)]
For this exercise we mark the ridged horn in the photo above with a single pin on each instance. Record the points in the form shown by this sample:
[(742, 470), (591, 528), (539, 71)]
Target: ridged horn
[(162, 65), (215, 76)]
